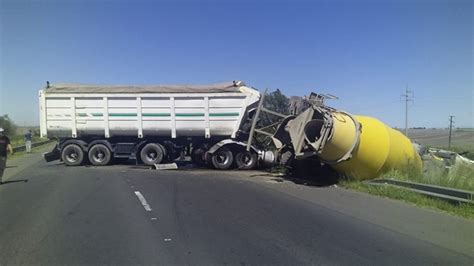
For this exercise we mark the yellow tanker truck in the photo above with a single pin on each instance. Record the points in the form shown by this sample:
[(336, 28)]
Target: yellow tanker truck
[(358, 146)]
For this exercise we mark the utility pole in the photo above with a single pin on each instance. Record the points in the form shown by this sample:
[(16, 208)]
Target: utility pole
[(408, 98), (451, 122)]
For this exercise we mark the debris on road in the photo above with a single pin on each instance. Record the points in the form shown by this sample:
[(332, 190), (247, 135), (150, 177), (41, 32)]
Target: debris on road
[(166, 166), (449, 158)]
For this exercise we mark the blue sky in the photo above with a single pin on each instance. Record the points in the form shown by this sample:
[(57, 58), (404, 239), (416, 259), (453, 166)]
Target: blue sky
[(365, 52)]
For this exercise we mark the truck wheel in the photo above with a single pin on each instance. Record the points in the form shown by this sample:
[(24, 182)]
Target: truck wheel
[(208, 160), (197, 156), (163, 150), (72, 155), (99, 155), (246, 160), (222, 159), (152, 153)]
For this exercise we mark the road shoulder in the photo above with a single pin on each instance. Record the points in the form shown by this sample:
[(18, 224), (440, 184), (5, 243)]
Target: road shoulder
[(18, 163), (441, 229)]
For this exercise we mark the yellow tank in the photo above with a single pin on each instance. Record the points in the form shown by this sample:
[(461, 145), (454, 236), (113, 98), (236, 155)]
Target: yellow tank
[(378, 149), (358, 146)]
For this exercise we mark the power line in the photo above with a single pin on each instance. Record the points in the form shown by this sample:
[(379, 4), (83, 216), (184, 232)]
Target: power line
[(451, 122), (409, 95)]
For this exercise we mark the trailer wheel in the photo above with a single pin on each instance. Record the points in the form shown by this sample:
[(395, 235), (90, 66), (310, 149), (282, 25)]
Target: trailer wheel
[(152, 153), (163, 149), (246, 160), (197, 156), (222, 159), (99, 155), (72, 155)]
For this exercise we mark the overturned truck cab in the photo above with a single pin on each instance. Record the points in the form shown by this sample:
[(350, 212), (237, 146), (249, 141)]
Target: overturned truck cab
[(357, 146)]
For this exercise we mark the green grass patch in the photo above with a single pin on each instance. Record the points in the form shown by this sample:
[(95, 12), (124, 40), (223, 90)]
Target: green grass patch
[(387, 191), (38, 149), (459, 175), (19, 140)]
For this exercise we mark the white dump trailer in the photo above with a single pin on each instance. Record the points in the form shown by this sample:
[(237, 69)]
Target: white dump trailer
[(152, 124)]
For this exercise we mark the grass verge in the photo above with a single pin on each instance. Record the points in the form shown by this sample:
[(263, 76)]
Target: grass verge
[(459, 175), (387, 191), (38, 149), (19, 140)]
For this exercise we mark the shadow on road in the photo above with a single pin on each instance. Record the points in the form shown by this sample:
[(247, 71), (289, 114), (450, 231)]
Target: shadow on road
[(13, 181), (11, 166), (309, 172)]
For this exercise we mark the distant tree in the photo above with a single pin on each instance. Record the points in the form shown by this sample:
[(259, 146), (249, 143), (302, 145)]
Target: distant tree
[(275, 101), (8, 125), (278, 102)]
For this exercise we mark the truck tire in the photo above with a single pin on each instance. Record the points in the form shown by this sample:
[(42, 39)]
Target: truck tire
[(246, 160), (163, 150), (99, 155), (72, 155), (152, 153), (197, 156), (222, 159)]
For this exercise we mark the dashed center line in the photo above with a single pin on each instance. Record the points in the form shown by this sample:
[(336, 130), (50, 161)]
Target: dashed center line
[(143, 201)]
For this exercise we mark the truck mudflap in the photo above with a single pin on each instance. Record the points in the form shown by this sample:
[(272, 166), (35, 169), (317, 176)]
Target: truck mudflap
[(53, 155)]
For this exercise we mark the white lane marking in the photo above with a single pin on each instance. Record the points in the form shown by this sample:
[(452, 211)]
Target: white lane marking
[(143, 201), (154, 218)]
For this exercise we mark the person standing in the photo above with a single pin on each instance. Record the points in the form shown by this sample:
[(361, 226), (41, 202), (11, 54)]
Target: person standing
[(4, 146), (28, 137)]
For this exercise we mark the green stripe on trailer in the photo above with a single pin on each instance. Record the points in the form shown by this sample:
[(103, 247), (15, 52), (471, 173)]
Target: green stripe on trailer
[(123, 114), (160, 114), (224, 114), (156, 114), (93, 114), (190, 114)]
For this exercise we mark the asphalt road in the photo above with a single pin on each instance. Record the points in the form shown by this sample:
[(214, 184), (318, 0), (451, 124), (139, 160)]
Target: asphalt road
[(88, 215)]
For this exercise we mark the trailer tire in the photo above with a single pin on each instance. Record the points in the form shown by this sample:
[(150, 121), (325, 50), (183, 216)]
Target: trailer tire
[(197, 156), (72, 155), (246, 160), (152, 153), (163, 149), (222, 159), (99, 155)]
